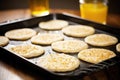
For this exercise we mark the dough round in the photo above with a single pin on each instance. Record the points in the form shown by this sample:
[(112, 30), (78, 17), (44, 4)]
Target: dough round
[(101, 40), (46, 39), (20, 34), (118, 47), (78, 30), (95, 55), (3, 40), (69, 46), (59, 62), (53, 24), (28, 50)]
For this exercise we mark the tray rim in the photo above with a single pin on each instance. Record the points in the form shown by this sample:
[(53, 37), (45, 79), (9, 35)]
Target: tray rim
[(86, 71)]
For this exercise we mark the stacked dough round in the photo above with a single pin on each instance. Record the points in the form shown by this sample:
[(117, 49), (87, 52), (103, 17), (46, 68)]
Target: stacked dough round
[(3, 40), (59, 62), (69, 46), (53, 24), (20, 34), (95, 55), (27, 50), (118, 47), (101, 40), (78, 30), (46, 39)]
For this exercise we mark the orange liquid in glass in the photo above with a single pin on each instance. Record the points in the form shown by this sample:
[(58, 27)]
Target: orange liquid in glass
[(95, 12), (39, 7)]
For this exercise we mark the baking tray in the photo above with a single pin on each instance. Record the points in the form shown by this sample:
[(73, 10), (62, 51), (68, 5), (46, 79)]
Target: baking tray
[(29, 65)]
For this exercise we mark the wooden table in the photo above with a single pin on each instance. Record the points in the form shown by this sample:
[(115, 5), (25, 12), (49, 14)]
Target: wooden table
[(8, 72)]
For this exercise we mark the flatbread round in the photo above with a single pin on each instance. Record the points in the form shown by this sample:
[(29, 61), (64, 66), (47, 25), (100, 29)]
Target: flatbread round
[(27, 50), (59, 62), (20, 34), (46, 38), (78, 30), (118, 47), (95, 55), (69, 46), (3, 40), (53, 24), (101, 40)]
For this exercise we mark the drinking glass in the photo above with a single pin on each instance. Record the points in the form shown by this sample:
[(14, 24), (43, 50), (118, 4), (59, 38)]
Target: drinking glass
[(39, 7), (94, 10)]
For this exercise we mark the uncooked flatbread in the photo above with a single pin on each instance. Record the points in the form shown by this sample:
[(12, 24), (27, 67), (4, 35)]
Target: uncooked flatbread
[(118, 47), (3, 40), (95, 55), (59, 62), (20, 34), (101, 40), (27, 50), (78, 30), (46, 38), (53, 24), (69, 46)]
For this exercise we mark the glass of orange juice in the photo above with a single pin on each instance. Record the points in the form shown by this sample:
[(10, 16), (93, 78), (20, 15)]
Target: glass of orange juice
[(39, 7), (94, 10)]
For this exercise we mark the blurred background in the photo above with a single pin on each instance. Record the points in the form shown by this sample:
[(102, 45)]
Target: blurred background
[(19, 9), (114, 5), (15, 4)]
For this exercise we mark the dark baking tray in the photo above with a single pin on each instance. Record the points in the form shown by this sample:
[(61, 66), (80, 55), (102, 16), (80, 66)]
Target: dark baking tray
[(31, 67)]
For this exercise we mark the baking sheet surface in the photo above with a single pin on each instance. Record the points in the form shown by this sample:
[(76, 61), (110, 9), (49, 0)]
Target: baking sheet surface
[(48, 50)]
